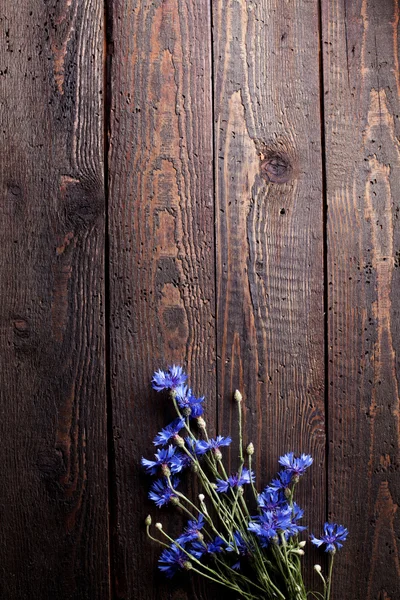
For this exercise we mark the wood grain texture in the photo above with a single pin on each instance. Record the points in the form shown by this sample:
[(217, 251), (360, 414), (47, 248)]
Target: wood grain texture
[(362, 108), (161, 252), (270, 232), (53, 498)]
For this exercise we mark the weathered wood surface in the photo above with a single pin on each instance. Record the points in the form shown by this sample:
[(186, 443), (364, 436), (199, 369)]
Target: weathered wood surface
[(53, 470), (228, 126), (269, 203), (161, 251), (362, 108)]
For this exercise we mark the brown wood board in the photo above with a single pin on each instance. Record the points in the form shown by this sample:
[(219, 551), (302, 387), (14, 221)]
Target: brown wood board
[(361, 100), (54, 524), (207, 183), (161, 215), (269, 207)]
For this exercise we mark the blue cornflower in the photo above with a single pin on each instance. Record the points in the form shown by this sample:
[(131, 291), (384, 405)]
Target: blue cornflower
[(270, 524), (296, 465), (164, 460), (271, 499), (333, 537), (191, 405), (280, 483), (235, 481), (196, 447), (169, 432), (242, 549), (172, 560), (180, 461), (199, 549), (192, 531), (171, 379), (215, 444), (293, 528), (161, 491)]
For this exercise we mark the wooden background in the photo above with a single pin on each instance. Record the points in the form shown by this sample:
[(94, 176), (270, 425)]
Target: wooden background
[(214, 183)]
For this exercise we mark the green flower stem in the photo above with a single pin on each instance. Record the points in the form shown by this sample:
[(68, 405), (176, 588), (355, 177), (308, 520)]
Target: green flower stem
[(324, 582), (226, 584), (155, 539), (206, 516), (253, 487), (329, 580), (240, 435), (239, 575), (221, 579), (289, 566)]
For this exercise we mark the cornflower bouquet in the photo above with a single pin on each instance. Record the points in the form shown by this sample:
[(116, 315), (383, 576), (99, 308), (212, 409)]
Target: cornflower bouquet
[(258, 556)]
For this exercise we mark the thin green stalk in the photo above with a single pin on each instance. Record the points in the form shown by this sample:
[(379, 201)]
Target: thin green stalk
[(225, 583), (329, 581), (155, 539)]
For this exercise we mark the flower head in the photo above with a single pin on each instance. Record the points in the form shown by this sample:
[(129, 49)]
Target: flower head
[(180, 461), (272, 523), (281, 482), (168, 380), (191, 405), (333, 537), (293, 527), (202, 446), (161, 492), (271, 499), (172, 560), (236, 480), (192, 531), (169, 432), (163, 460), (199, 549), (296, 465)]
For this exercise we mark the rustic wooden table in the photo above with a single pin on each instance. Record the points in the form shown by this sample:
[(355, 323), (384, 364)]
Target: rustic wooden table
[(214, 183)]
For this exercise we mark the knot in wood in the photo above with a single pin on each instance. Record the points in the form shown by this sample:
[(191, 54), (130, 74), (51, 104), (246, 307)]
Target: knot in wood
[(276, 168), (21, 327)]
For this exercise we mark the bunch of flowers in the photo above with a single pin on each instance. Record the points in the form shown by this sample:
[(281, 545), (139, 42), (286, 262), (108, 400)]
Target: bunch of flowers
[(258, 556)]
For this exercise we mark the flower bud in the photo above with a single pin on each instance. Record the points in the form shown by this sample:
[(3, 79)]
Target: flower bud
[(158, 526), (240, 490), (187, 565), (218, 454), (213, 485), (194, 468), (165, 470), (250, 449), (147, 521), (201, 423), (174, 500), (317, 568), (299, 551), (237, 396), (288, 493), (187, 411), (201, 497), (302, 544), (179, 441), (200, 536)]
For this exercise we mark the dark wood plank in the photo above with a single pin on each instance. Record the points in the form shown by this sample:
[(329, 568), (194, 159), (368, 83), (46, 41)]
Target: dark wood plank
[(361, 64), (270, 232), (53, 498), (161, 250)]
